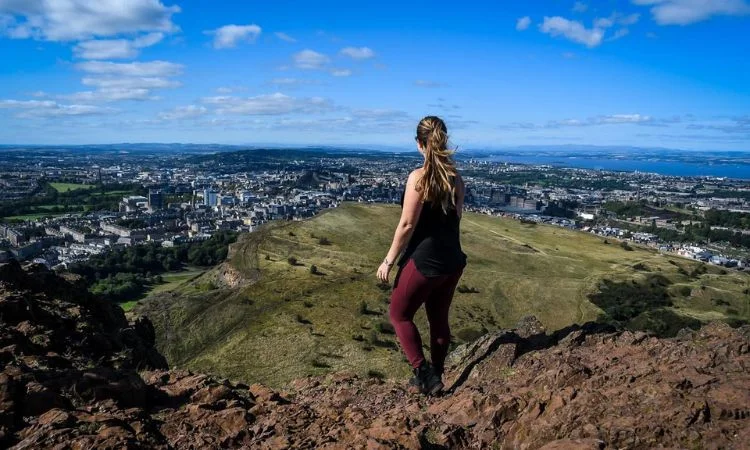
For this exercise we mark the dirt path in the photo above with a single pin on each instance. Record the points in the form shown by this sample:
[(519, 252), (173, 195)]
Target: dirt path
[(509, 238)]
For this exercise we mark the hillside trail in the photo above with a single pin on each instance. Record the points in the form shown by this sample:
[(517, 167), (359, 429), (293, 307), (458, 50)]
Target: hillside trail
[(509, 238), (309, 245)]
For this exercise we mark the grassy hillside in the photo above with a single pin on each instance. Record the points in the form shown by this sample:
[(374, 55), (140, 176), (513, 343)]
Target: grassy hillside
[(284, 322)]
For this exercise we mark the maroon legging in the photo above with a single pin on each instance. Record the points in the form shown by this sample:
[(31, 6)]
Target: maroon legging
[(411, 290)]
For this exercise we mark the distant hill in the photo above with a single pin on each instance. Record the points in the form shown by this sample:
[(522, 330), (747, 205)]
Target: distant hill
[(264, 316)]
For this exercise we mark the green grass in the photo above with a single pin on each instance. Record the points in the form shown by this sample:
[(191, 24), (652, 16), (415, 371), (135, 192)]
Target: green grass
[(171, 281), (65, 187), (285, 322), (35, 216), (175, 279), (128, 306)]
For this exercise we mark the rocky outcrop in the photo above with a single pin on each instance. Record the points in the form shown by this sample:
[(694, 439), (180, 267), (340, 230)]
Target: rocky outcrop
[(76, 374)]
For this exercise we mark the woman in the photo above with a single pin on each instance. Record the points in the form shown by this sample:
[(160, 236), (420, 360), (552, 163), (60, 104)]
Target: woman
[(432, 262)]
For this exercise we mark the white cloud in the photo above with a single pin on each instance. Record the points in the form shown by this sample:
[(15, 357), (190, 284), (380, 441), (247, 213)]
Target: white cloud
[(109, 49), (580, 7), (230, 89), (68, 20), (616, 19), (272, 104), (732, 125), (358, 53), (110, 95), (379, 114), (603, 22), (568, 123), (125, 81), (130, 83), (229, 36), (572, 30), (630, 19), (523, 23), (341, 72), (115, 48), (133, 69), (285, 37), (290, 81), (621, 33), (309, 59), (356, 121), (622, 118), (613, 119), (184, 112), (685, 12), (49, 108)]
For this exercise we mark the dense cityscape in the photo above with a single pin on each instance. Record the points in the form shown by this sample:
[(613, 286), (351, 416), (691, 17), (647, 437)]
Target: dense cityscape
[(61, 206)]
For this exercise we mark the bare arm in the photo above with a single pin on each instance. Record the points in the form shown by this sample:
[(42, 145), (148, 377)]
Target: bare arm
[(409, 217), (405, 228), (460, 192)]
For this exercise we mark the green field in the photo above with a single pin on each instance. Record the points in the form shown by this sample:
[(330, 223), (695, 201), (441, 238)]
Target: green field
[(65, 187), (171, 281), (284, 322), (33, 216)]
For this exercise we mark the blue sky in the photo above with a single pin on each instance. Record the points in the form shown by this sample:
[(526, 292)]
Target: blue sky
[(667, 73)]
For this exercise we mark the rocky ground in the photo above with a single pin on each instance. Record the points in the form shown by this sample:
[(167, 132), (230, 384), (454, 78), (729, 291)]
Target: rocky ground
[(76, 374)]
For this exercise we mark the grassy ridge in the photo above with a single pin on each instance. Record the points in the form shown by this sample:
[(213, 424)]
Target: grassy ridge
[(289, 322)]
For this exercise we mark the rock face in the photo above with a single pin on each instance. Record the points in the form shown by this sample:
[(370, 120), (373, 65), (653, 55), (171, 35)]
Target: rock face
[(76, 374)]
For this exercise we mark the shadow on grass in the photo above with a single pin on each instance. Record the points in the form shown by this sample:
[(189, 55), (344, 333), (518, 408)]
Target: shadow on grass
[(641, 305)]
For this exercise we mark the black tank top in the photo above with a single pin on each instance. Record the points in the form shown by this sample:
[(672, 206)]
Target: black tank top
[(435, 245)]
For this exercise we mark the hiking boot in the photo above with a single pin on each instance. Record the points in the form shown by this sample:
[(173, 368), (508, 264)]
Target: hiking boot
[(428, 381), (414, 387)]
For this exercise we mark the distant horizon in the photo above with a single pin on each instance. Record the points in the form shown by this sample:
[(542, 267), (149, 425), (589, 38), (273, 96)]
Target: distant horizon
[(383, 147), (642, 73)]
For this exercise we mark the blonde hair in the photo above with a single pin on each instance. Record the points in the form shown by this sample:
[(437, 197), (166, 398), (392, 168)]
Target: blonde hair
[(437, 182)]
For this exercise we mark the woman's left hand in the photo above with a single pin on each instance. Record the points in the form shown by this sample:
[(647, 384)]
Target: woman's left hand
[(383, 271)]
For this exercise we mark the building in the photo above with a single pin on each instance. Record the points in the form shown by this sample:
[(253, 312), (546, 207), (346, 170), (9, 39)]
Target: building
[(77, 234), (133, 203), (210, 197), (155, 200), (28, 251)]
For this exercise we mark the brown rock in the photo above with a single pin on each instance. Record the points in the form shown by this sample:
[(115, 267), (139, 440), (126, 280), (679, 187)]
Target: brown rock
[(574, 444), (8, 394), (115, 432), (233, 421), (56, 418), (211, 394)]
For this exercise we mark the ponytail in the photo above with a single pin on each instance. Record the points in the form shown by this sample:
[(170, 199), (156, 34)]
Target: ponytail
[(437, 183)]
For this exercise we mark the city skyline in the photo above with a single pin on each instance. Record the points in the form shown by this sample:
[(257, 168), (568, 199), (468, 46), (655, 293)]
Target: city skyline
[(644, 73)]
